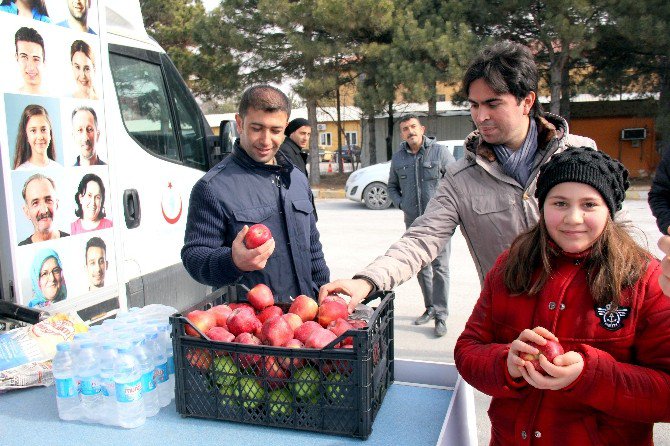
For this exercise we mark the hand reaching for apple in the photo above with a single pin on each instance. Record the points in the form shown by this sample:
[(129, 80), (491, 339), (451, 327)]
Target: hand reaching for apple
[(357, 289), (251, 259)]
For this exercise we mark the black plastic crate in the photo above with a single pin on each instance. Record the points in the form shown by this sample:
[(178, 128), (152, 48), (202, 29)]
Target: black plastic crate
[(334, 391)]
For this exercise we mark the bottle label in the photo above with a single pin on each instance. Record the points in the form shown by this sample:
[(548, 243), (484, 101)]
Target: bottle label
[(129, 392), (66, 388), (148, 383), (107, 387), (171, 365), (90, 386), (161, 373)]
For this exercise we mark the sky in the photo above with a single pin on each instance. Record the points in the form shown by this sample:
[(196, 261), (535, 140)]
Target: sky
[(210, 4)]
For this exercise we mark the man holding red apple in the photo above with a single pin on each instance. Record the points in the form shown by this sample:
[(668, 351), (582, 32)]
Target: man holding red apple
[(256, 184)]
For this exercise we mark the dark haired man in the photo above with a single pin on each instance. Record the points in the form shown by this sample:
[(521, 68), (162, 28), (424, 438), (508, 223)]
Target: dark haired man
[(30, 56), (416, 168), (86, 135), (490, 191), (96, 262), (297, 134), (78, 19), (256, 184)]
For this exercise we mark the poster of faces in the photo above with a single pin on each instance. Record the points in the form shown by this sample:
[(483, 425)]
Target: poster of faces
[(53, 151)]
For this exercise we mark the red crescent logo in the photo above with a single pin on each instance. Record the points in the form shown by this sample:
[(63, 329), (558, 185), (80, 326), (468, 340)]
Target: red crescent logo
[(175, 219)]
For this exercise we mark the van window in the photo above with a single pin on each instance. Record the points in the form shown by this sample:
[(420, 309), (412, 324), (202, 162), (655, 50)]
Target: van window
[(144, 107), (191, 137)]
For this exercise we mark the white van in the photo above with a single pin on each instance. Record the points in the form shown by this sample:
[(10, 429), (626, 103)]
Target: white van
[(102, 136), (370, 184)]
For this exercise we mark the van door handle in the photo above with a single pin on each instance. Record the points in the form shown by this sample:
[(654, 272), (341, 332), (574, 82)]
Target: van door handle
[(131, 208)]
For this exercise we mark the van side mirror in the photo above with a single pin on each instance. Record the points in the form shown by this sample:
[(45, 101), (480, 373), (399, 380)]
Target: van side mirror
[(223, 145), (227, 136)]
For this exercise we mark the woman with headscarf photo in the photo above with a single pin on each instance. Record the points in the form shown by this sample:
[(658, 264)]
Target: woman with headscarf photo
[(46, 274)]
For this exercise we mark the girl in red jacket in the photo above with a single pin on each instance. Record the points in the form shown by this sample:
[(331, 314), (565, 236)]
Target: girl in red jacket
[(579, 278)]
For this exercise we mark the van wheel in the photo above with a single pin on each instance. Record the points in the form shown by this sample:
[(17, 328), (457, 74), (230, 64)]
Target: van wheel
[(376, 196)]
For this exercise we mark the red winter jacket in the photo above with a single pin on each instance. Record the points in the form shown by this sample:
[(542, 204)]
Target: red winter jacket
[(625, 385)]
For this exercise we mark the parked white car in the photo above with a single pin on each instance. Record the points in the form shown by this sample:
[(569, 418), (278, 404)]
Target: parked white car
[(369, 184)]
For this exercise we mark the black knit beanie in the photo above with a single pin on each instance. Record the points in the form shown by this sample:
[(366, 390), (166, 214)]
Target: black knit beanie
[(588, 166), (295, 125)]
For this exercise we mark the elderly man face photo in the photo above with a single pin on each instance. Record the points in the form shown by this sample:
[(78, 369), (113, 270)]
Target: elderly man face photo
[(40, 205)]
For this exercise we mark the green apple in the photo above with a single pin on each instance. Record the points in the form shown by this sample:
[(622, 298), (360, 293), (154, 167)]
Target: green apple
[(250, 391), (335, 387), (228, 396), (306, 383), (225, 371), (279, 402)]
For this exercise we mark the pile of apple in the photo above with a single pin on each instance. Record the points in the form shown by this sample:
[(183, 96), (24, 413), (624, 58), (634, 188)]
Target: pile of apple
[(260, 322)]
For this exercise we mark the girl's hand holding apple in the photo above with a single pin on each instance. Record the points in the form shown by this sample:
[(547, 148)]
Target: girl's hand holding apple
[(565, 369), (524, 346)]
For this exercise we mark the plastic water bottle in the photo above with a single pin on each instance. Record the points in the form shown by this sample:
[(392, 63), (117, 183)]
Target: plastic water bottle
[(128, 388), (67, 395), (161, 374), (107, 386), (164, 331), (146, 363), (88, 372)]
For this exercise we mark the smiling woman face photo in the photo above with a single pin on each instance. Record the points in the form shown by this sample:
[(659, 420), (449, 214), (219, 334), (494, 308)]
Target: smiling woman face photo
[(83, 70), (91, 201)]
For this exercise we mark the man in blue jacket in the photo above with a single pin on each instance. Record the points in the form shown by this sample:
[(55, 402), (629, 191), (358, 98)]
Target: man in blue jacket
[(416, 169), (256, 184)]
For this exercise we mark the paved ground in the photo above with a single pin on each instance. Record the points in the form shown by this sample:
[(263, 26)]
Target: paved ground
[(353, 236)]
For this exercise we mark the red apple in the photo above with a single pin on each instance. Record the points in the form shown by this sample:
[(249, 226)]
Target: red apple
[(358, 323), (320, 338), (306, 329), (267, 312), (305, 307), (293, 320), (202, 320), (236, 305), (550, 350), (242, 320), (331, 311), (276, 331), (334, 297), (276, 375), (221, 313), (260, 296), (256, 236), (285, 362), (340, 326), (247, 359), (199, 358), (220, 334)]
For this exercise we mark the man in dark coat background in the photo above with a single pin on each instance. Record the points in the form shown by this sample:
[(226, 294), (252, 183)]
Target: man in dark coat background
[(297, 134)]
